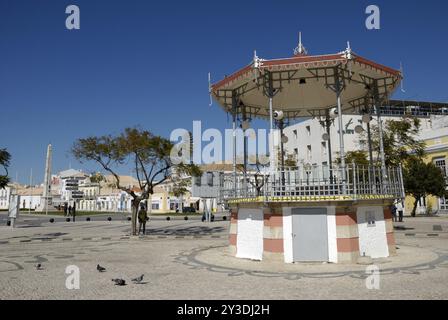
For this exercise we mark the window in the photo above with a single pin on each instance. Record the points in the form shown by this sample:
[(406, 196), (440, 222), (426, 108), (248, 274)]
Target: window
[(210, 179), (324, 148), (294, 133), (443, 204), (308, 131), (155, 206), (441, 163), (309, 153)]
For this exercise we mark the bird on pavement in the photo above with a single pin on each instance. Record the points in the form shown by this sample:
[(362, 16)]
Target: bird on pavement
[(139, 279), (100, 268), (39, 267), (119, 282)]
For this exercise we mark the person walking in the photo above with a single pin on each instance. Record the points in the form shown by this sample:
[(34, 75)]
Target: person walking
[(142, 218), (393, 209), (65, 209), (400, 210)]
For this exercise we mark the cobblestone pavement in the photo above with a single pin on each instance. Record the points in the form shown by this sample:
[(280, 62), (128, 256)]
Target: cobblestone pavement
[(189, 260)]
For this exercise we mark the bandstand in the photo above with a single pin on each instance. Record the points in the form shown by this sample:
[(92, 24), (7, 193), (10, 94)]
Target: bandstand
[(312, 212)]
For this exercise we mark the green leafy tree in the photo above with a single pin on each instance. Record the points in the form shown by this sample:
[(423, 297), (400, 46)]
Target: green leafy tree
[(401, 144), (97, 178), (421, 180), (358, 157), (150, 155), (5, 159)]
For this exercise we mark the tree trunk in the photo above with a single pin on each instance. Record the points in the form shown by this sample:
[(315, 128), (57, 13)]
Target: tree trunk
[(181, 204), (135, 205), (414, 210)]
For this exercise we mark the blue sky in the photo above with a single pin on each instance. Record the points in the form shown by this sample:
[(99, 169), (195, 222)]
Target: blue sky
[(145, 63)]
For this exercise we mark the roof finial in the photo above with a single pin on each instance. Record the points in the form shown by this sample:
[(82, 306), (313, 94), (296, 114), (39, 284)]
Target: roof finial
[(300, 50), (348, 53), (257, 60)]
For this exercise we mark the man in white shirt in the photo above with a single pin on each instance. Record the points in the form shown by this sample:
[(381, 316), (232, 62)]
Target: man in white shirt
[(400, 209)]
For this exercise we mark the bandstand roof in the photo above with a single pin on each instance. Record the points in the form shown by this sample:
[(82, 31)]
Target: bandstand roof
[(303, 85)]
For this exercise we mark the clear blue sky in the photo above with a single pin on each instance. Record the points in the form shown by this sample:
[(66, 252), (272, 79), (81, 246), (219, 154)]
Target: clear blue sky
[(145, 63)]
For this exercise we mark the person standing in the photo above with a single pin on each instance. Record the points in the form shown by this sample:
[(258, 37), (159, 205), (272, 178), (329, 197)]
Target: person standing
[(400, 210), (65, 209), (393, 209), (142, 218)]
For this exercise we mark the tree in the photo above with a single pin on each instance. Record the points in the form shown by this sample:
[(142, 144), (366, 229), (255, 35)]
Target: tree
[(254, 173), (149, 155), (181, 187), (97, 178), (421, 180), (5, 159), (399, 138), (357, 157)]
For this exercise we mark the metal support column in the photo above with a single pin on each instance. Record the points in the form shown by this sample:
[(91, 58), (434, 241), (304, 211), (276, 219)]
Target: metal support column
[(234, 113), (244, 119), (380, 130), (338, 89), (270, 93), (328, 123)]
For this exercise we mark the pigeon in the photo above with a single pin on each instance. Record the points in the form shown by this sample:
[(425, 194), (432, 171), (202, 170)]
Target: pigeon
[(39, 267), (138, 280), (100, 268), (119, 282)]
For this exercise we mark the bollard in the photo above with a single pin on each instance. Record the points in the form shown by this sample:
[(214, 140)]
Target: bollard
[(224, 218), (129, 219), (168, 218), (186, 218), (87, 219), (67, 220), (8, 223), (51, 220), (109, 219)]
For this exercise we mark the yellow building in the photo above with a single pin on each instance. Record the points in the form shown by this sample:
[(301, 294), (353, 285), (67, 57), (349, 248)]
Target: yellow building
[(436, 152)]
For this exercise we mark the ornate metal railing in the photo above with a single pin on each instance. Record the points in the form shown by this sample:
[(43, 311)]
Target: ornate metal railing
[(314, 183)]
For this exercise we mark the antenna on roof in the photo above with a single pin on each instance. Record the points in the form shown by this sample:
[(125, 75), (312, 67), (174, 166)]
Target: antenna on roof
[(210, 89), (256, 65), (300, 50), (402, 77), (348, 54)]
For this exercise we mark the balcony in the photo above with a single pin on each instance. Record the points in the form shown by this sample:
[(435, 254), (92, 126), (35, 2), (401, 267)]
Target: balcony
[(313, 184)]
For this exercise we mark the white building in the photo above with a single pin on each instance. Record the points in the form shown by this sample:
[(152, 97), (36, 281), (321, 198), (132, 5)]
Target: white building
[(4, 198), (306, 143)]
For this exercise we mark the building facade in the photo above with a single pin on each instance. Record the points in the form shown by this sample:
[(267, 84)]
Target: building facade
[(4, 198), (306, 143)]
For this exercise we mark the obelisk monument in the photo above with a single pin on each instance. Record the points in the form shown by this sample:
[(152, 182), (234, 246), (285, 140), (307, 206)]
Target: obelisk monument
[(46, 196)]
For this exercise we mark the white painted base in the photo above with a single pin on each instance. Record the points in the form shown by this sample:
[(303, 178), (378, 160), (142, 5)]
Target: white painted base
[(372, 232), (250, 234)]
